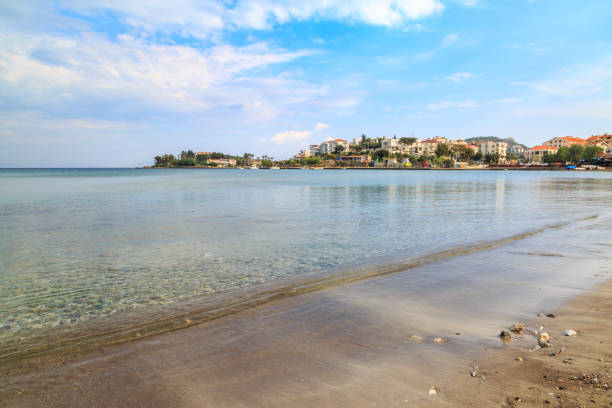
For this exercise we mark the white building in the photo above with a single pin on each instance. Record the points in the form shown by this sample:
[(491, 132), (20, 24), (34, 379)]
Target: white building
[(330, 146), (488, 147), (537, 153), (565, 141), (392, 145)]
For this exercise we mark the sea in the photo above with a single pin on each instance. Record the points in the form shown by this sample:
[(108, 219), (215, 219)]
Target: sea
[(100, 255)]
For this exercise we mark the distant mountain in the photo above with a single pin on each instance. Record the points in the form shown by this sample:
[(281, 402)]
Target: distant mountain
[(510, 141)]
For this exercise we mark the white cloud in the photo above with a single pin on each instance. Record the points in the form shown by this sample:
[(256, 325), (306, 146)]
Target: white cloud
[(68, 72), (449, 39), (501, 101), (589, 109), (576, 80), (290, 136), (201, 18), (320, 126), (468, 103), (460, 76)]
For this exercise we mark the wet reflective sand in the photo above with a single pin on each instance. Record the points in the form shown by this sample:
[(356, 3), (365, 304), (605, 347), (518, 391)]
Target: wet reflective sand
[(355, 345)]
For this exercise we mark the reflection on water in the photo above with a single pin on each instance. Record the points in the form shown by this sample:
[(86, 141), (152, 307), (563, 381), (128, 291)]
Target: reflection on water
[(82, 245)]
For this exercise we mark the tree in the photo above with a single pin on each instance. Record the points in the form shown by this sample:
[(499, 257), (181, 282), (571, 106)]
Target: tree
[(462, 152), (478, 156), (312, 161), (202, 158), (443, 150), (590, 153), (339, 149), (408, 140), (563, 154), (380, 154), (575, 153), (492, 158)]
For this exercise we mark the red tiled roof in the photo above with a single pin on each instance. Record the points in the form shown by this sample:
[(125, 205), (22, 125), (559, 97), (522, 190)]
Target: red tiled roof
[(574, 139), (543, 147)]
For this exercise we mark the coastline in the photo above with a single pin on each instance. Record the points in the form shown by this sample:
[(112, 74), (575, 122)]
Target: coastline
[(526, 168), (368, 343), (573, 371), (39, 352)]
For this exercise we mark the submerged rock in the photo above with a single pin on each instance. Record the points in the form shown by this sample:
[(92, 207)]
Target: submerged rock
[(517, 328), (505, 335)]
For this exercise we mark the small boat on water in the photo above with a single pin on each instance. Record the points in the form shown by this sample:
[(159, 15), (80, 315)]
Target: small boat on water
[(253, 167)]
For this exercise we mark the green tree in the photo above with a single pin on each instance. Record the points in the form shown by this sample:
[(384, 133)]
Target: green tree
[(339, 149), (442, 150), (380, 154), (492, 158), (575, 153), (563, 154), (590, 153), (312, 161), (408, 140)]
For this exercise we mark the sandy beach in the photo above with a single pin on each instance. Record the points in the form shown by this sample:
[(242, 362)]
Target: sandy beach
[(384, 341)]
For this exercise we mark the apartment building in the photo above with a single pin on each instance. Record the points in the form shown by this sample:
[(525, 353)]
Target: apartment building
[(535, 154)]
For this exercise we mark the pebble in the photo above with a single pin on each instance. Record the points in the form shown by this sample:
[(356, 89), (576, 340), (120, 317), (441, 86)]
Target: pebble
[(520, 359), (439, 340), (433, 390), (569, 332), (473, 373), (505, 335)]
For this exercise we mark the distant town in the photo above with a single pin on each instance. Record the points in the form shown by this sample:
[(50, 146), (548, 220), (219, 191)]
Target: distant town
[(409, 152)]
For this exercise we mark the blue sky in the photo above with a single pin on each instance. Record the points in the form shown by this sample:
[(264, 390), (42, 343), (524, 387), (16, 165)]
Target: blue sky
[(103, 83)]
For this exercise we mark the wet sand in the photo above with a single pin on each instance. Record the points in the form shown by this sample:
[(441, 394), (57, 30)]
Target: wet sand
[(371, 343), (574, 371)]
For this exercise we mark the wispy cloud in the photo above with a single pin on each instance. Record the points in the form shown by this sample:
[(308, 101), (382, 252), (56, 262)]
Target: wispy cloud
[(468, 103), (460, 76), (580, 79), (449, 40), (589, 109), (290, 136)]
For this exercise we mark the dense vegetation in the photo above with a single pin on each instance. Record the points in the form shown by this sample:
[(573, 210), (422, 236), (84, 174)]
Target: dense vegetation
[(574, 154)]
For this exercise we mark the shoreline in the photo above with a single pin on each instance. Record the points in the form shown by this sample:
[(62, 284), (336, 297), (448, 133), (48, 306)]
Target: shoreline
[(371, 342), (572, 371), (41, 352), (526, 168)]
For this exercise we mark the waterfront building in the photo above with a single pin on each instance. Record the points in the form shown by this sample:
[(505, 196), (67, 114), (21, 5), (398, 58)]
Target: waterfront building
[(535, 154), (565, 141), (392, 145), (357, 159), (330, 146), (303, 154), (604, 141), (516, 150), (489, 147), (223, 162)]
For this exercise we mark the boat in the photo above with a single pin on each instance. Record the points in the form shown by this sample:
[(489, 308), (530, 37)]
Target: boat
[(254, 167)]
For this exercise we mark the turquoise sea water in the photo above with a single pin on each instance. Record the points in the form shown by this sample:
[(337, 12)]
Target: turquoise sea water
[(91, 246)]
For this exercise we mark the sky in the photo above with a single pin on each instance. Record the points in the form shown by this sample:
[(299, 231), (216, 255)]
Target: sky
[(104, 83)]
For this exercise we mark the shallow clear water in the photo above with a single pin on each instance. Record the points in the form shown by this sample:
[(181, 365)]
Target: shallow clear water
[(82, 245)]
